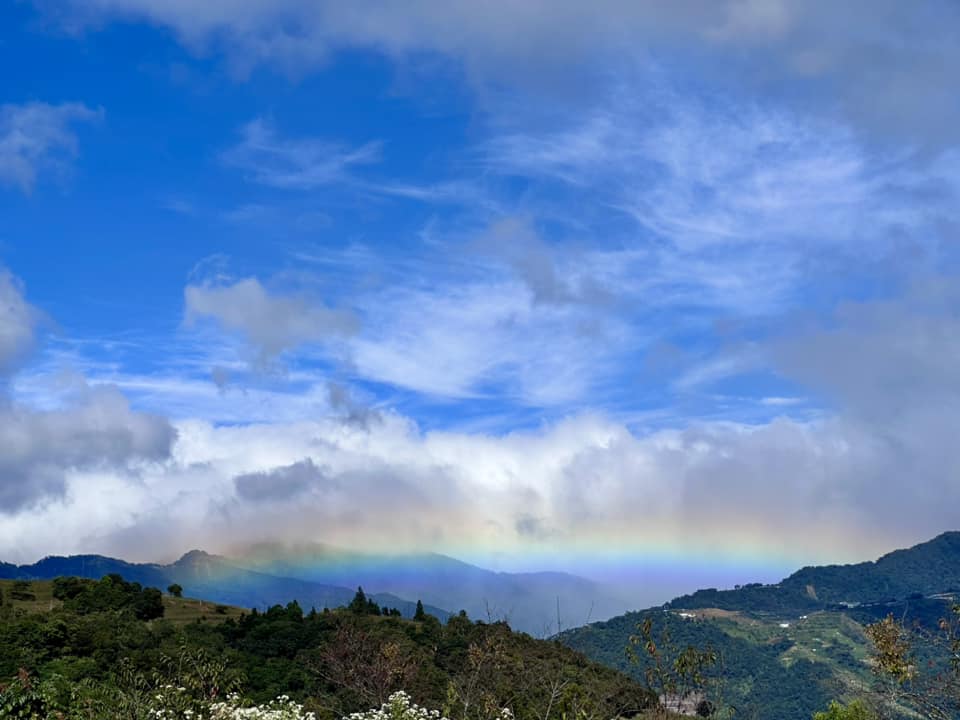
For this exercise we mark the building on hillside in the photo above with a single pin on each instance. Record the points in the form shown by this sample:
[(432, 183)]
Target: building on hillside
[(691, 704)]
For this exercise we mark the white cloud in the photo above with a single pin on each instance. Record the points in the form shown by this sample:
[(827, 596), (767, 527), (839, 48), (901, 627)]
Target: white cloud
[(877, 472), (699, 200), (801, 490), (37, 137), (93, 428), (18, 321), (295, 164), (281, 483), (484, 339), (704, 171), (893, 74), (271, 323), (97, 430)]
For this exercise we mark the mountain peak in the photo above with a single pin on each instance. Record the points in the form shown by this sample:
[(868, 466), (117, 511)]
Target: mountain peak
[(194, 556)]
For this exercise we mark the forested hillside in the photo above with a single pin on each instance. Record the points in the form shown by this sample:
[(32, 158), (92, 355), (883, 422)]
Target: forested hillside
[(91, 649), (785, 650)]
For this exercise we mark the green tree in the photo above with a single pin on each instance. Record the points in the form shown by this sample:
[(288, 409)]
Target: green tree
[(419, 615), (175, 590), (359, 605), (148, 604), (67, 588), (856, 710), (680, 678), (917, 668)]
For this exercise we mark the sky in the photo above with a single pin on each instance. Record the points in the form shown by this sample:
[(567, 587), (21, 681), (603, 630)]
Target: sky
[(662, 291)]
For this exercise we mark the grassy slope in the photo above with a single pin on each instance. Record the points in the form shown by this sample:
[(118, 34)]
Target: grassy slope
[(180, 611)]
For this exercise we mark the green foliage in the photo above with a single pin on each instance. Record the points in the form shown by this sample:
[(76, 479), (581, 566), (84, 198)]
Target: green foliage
[(21, 591), (855, 710), (750, 674), (111, 592), (92, 658), (175, 589), (792, 673), (677, 676), (67, 588), (918, 669), (362, 605), (23, 699)]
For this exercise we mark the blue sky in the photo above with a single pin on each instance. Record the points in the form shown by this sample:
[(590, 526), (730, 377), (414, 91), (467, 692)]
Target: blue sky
[(528, 272)]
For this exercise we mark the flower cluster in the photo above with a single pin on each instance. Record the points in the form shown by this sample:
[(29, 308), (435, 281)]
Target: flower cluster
[(283, 708), (399, 706)]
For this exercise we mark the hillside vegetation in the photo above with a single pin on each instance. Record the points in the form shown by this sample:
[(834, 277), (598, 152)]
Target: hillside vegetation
[(785, 650), (99, 647)]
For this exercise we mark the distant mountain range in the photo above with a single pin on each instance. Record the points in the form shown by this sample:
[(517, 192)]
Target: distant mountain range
[(789, 648), (530, 602), (321, 576), (210, 577)]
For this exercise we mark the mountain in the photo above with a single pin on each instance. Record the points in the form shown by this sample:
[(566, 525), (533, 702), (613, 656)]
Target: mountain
[(788, 648), (928, 568), (212, 577), (320, 576), (528, 601)]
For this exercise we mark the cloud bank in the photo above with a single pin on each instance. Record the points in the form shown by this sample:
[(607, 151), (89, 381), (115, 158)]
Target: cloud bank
[(893, 75), (877, 470)]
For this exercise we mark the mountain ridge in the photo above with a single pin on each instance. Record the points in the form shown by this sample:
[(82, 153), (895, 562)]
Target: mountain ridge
[(213, 577), (927, 568), (323, 576), (527, 600)]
